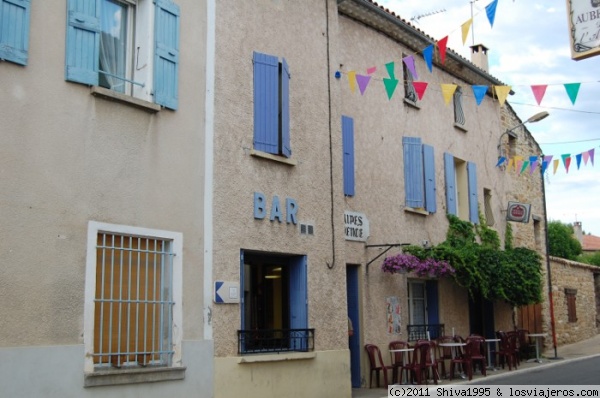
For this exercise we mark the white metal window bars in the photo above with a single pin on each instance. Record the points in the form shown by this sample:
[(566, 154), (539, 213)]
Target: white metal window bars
[(459, 114), (133, 301)]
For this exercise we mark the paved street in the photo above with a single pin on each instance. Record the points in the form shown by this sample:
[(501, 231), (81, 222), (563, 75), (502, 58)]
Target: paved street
[(577, 363)]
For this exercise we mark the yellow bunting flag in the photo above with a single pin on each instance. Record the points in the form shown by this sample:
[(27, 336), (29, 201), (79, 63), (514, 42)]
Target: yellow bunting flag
[(555, 163), (502, 93), (465, 30), (352, 80), (448, 91)]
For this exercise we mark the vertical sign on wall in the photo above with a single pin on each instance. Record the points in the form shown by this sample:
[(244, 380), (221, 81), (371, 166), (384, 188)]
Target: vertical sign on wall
[(394, 325)]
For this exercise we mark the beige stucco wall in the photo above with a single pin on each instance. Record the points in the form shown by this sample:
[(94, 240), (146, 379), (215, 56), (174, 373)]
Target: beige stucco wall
[(68, 157), (298, 32)]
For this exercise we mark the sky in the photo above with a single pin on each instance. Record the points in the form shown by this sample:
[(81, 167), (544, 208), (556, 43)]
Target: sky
[(529, 44)]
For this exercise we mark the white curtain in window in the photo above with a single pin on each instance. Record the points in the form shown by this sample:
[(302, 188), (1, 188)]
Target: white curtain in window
[(113, 45)]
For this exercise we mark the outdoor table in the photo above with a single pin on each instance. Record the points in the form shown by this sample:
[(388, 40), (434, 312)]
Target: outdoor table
[(407, 350), (489, 342), (538, 337)]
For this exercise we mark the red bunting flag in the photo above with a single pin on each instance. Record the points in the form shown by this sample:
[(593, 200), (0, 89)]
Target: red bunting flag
[(539, 91), (420, 88), (442, 43)]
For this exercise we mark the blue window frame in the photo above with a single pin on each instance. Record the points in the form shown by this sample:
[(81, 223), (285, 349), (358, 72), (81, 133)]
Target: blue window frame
[(94, 53), (348, 148), (14, 30), (419, 174), (461, 188), (271, 105)]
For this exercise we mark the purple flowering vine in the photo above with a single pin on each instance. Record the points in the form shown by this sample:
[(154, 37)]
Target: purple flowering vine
[(429, 267)]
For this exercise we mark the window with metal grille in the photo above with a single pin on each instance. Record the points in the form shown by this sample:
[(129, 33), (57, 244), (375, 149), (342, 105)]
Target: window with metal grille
[(409, 90), (459, 114), (133, 297), (487, 201)]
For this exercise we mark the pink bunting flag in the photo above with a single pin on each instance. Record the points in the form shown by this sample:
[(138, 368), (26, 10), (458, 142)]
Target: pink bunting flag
[(371, 70), (363, 82), (420, 88), (410, 64), (566, 158), (442, 43), (539, 91)]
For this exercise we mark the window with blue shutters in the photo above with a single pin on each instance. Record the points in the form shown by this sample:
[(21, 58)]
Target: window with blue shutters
[(419, 175), (271, 105), (129, 47), (348, 148), (461, 188), (14, 30)]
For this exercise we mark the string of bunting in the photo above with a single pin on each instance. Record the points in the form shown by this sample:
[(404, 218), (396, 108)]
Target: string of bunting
[(501, 92), (521, 164)]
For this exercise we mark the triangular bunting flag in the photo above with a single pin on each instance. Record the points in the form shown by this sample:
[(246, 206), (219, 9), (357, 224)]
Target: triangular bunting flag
[(566, 158), (410, 64), (442, 43), (479, 93), (524, 167), (390, 86), (465, 30), (448, 91), (390, 69), (490, 10), (420, 88), (511, 163), (352, 80), (578, 160), (572, 91), (533, 161), (502, 93), (538, 92), (428, 56), (586, 157), (555, 165), (371, 70), (501, 161), (363, 82), (546, 162), (591, 152)]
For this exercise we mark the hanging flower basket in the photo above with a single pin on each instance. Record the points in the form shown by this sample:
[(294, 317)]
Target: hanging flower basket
[(429, 267)]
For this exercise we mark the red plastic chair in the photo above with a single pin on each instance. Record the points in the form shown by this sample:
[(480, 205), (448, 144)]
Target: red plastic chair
[(477, 353), (374, 354), (422, 362), (444, 353), (507, 349), (399, 359)]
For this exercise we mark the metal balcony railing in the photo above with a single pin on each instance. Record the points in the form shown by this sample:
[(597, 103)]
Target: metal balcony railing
[(275, 340), (419, 332)]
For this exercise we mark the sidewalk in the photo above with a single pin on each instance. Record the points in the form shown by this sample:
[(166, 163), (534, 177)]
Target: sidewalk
[(571, 352)]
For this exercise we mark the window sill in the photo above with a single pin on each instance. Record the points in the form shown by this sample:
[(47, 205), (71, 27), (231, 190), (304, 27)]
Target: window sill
[(277, 357), (111, 95), (412, 104), (460, 127), (278, 159), (420, 211), (133, 376)]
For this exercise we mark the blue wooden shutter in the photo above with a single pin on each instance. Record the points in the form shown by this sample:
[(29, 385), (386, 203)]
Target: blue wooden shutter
[(83, 41), (473, 203), (298, 299), (433, 318), (348, 148), (285, 109), (413, 171), (14, 30), (166, 54), (266, 103), (429, 171), (450, 184)]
